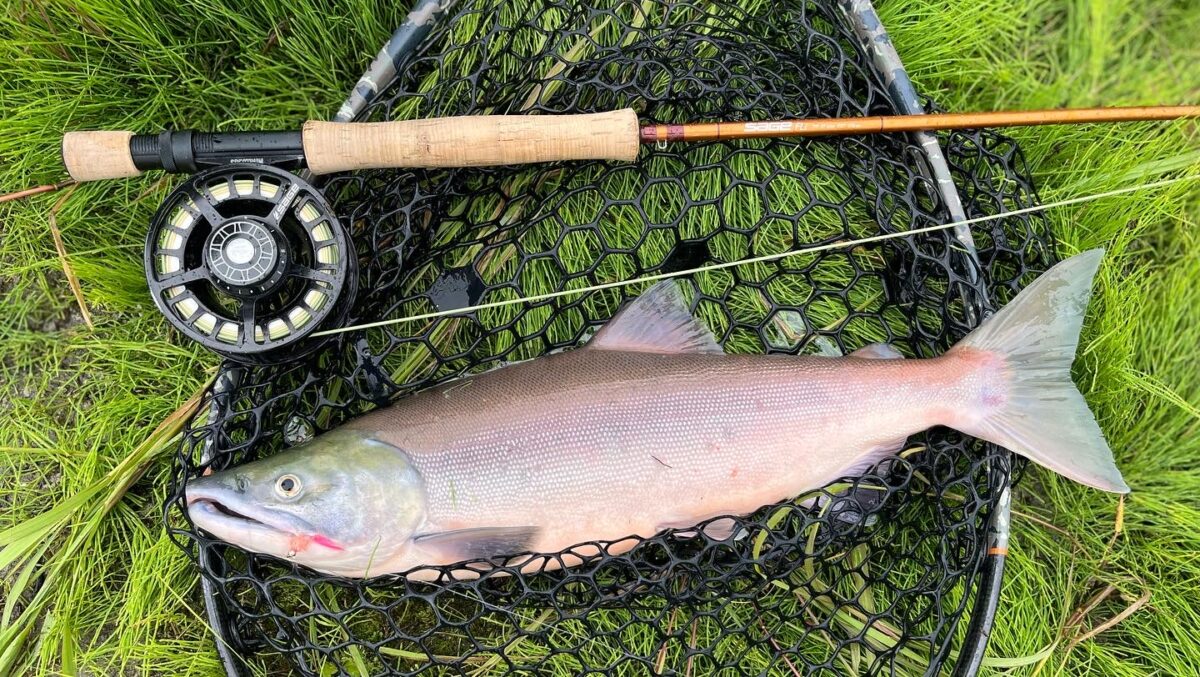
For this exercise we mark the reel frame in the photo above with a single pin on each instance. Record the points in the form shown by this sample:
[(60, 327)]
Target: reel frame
[(248, 261)]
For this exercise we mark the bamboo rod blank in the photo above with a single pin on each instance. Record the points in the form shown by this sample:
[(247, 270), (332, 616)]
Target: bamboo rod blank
[(720, 131), (38, 190)]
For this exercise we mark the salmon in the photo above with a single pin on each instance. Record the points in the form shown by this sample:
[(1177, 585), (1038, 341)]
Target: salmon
[(651, 426)]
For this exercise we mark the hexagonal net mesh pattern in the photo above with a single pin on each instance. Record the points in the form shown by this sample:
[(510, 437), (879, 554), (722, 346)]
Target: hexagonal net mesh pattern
[(877, 579)]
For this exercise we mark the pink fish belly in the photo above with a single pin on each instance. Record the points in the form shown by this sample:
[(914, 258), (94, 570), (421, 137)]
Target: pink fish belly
[(599, 445)]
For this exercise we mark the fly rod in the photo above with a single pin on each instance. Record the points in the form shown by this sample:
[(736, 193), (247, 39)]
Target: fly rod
[(248, 258), (478, 141)]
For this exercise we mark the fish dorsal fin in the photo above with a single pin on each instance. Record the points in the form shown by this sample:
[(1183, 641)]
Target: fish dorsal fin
[(658, 321)]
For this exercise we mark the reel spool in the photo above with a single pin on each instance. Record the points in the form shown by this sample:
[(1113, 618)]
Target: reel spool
[(248, 261)]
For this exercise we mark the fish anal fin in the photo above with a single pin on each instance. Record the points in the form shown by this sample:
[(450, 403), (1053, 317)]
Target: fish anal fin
[(658, 321), (876, 454), (852, 504), (477, 543), (878, 351)]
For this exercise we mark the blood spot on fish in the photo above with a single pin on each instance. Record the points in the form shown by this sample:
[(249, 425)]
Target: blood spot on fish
[(323, 540), (299, 543), (733, 473)]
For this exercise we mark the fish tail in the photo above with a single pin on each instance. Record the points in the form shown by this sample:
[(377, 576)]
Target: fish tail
[(1038, 412)]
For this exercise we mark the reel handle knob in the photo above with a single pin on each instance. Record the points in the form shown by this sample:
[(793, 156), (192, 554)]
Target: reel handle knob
[(95, 155), (470, 141)]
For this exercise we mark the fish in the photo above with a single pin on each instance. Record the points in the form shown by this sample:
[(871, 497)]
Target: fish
[(650, 426)]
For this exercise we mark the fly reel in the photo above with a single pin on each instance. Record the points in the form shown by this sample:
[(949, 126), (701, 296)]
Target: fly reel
[(249, 260)]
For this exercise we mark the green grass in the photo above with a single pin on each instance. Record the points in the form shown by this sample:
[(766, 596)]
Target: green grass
[(78, 404)]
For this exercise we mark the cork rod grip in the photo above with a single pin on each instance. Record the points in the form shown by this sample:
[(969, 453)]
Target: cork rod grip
[(90, 156), (471, 141)]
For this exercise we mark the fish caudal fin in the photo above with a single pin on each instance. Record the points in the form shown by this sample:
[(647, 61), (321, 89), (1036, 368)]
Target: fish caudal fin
[(1041, 415)]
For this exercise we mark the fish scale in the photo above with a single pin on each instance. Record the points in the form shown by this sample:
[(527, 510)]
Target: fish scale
[(651, 440)]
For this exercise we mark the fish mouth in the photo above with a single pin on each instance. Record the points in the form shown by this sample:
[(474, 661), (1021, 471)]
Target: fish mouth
[(224, 513), (213, 507)]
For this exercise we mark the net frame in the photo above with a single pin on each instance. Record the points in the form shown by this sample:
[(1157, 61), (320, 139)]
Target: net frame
[(1011, 252)]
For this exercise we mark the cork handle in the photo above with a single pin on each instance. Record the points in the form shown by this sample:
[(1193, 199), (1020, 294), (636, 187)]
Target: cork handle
[(90, 156), (471, 141)]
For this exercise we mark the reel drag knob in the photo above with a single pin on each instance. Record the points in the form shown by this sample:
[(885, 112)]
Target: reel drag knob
[(242, 253), (249, 261)]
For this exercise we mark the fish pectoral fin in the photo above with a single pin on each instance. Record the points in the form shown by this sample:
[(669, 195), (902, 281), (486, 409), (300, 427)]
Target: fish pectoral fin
[(658, 321), (718, 530), (478, 543), (878, 351)]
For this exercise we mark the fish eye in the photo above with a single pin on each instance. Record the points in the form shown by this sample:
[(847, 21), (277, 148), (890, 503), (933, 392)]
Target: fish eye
[(287, 486)]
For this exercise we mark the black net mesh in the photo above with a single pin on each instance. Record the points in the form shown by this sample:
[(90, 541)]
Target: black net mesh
[(878, 579)]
